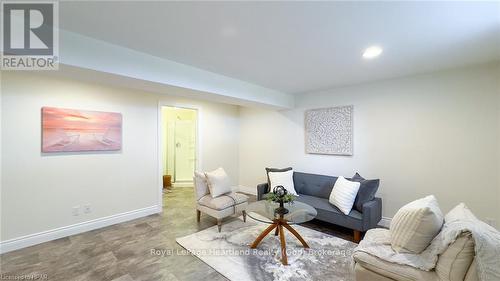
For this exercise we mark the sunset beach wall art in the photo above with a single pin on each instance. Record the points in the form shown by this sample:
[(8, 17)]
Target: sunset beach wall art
[(70, 130)]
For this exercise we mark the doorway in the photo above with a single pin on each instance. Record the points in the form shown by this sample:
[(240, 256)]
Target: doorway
[(179, 144)]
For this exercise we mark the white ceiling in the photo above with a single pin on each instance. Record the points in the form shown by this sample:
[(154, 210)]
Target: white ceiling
[(297, 47)]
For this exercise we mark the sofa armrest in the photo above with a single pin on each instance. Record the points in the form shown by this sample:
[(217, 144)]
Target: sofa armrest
[(372, 213), (261, 190)]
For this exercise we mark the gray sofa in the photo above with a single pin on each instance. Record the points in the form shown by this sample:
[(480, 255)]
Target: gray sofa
[(315, 190)]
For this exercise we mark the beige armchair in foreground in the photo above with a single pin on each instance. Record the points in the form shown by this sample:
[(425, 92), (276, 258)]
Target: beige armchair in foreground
[(455, 264), (422, 244), (220, 207)]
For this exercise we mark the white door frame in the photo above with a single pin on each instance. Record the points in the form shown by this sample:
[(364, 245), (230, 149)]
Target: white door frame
[(161, 149)]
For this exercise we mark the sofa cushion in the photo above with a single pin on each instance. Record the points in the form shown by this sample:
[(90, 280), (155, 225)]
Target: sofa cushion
[(415, 225), (367, 191), (343, 194), (455, 261), (274, 170), (284, 179), (313, 185), (329, 213), (224, 201), (392, 270)]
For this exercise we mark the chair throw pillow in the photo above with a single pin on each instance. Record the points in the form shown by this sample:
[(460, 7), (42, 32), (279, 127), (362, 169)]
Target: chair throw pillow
[(218, 182)]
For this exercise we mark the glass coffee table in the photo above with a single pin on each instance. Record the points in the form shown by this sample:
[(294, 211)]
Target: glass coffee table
[(264, 211)]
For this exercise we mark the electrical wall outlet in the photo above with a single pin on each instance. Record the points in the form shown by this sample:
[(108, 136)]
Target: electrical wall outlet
[(87, 209), (76, 211)]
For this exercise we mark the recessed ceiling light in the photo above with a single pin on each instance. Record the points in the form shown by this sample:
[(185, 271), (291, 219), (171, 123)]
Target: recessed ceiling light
[(372, 52)]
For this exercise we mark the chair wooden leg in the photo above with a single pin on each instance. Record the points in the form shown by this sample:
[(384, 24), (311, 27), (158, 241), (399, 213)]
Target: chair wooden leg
[(219, 224), (357, 236), (198, 215), (244, 216), (277, 231)]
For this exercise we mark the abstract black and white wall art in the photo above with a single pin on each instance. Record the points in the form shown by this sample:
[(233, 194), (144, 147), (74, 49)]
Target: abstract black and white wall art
[(329, 130)]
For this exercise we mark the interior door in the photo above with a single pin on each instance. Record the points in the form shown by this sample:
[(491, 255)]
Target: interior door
[(185, 155)]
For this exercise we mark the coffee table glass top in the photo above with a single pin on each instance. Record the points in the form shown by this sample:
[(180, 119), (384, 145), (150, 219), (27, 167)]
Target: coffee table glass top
[(298, 212)]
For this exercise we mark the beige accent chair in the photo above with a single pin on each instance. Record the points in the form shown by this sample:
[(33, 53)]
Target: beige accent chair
[(455, 264), (219, 207)]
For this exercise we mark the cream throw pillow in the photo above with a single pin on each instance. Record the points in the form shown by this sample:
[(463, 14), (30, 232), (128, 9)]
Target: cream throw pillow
[(343, 194), (282, 178), (415, 225), (218, 182), (453, 264), (460, 213)]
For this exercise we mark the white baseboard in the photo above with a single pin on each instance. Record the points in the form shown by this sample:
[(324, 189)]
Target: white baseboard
[(247, 189), (49, 235), (183, 184), (385, 222)]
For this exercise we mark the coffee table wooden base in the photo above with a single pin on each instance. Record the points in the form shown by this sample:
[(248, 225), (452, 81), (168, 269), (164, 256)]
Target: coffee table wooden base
[(279, 225)]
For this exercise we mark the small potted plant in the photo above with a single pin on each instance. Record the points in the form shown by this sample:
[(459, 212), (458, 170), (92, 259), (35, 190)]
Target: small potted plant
[(280, 195)]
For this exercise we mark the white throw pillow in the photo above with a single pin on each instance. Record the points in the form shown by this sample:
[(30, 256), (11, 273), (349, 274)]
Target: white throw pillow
[(343, 194), (200, 185), (460, 213), (218, 182), (415, 225), (282, 178)]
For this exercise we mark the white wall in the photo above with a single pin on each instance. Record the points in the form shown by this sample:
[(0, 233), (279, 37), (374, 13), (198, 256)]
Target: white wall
[(39, 190), (498, 173), (1, 156), (428, 134)]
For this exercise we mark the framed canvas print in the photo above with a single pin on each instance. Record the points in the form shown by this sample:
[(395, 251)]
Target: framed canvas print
[(329, 130), (70, 130)]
